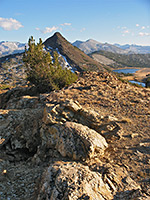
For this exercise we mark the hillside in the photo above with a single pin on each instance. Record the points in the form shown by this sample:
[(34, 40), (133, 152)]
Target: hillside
[(103, 59), (122, 60), (74, 56), (87, 141)]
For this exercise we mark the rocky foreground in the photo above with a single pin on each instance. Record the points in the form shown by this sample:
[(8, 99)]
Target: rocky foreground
[(88, 141)]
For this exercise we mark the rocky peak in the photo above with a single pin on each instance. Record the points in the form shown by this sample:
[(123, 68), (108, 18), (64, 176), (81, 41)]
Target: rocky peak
[(55, 41), (57, 34), (74, 56)]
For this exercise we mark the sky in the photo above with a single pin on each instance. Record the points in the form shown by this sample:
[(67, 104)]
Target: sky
[(111, 21)]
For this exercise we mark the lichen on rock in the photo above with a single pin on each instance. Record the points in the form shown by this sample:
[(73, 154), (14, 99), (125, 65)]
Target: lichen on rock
[(74, 140), (71, 180)]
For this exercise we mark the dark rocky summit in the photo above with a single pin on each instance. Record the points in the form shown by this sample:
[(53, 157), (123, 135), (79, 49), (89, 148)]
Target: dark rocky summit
[(87, 141), (76, 58)]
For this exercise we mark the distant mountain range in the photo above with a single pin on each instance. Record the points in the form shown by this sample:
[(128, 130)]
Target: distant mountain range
[(91, 46), (133, 48), (74, 56), (7, 48)]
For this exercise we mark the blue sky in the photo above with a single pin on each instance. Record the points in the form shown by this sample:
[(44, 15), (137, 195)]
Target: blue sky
[(112, 21)]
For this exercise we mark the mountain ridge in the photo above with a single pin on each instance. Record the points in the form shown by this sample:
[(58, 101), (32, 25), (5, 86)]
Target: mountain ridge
[(7, 48), (138, 49), (74, 56), (90, 45)]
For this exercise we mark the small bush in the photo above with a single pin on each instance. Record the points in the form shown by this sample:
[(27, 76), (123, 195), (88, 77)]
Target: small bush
[(44, 73), (5, 86)]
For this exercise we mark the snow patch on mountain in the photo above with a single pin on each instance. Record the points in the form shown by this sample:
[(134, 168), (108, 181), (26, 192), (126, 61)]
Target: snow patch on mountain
[(65, 63), (62, 59)]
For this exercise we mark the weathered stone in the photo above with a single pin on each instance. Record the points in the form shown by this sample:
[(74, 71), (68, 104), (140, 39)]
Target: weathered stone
[(134, 135), (110, 118), (110, 130), (66, 110), (73, 140), (130, 184), (49, 114), (71, 105), (21, 128), (72, 181), (88, 117), (131, 190), (16, 93), (23, 102), (70, 111)]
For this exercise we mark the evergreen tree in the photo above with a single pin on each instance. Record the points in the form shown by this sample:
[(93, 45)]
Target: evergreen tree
[(41, 71)]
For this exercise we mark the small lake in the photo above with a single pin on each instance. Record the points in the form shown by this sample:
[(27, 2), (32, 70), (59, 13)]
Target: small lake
[(131, 71), (126, 71)]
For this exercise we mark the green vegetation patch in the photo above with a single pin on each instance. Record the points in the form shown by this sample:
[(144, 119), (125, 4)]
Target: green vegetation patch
[(5, 86), (42, 71)]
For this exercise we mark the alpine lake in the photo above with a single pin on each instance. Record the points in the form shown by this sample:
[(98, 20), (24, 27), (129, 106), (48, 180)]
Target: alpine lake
[(130, 71)]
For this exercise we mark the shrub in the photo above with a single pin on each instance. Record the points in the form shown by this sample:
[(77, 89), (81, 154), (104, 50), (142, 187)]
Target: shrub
[(5, 86), (44, 73)]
